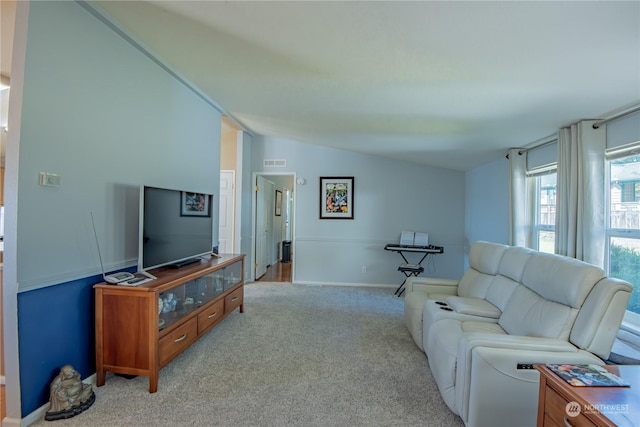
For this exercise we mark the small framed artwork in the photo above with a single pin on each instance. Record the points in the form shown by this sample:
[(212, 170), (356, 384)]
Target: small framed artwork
[(194, 204), (278, 203), (336, 197)]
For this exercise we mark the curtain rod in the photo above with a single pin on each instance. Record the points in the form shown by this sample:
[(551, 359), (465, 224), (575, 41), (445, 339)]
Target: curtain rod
[(597, 124), (547, 141)]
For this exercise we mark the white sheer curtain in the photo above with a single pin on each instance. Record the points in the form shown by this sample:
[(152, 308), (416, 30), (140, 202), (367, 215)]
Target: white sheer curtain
[(519, 234), (580, 216)]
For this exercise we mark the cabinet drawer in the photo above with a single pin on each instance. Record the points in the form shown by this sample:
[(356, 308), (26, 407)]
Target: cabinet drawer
[(555, 408), (210, 316), (177, 340), (233, 300)]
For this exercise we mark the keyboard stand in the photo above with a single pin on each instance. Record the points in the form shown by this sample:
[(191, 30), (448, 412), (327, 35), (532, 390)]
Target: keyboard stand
[(407, 268)]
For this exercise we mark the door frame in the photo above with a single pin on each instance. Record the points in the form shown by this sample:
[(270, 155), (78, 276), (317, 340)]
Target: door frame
[(233, 209), (254, 177)]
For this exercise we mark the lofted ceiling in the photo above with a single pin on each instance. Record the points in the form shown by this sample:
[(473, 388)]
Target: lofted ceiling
[(444, 83)]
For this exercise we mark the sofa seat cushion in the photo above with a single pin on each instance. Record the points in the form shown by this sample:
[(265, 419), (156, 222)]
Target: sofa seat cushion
[(434, 311), (484, 327), (442, 351), (474, 307)]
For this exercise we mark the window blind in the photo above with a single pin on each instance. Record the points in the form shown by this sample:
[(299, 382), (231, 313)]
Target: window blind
[(623, 134), (542, 158)]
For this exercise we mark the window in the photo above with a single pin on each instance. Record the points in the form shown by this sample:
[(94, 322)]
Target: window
[(545, 212), (542, 166), (629, 191), (623, 217)]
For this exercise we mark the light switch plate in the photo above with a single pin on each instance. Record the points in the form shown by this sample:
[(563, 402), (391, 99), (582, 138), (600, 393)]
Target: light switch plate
[(49, 179)]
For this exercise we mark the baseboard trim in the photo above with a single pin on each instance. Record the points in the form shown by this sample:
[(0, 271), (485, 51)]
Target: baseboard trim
[(357, 285), (12, 422), (39, 413), (35, 416)]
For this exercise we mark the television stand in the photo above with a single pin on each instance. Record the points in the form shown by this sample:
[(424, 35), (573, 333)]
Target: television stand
[(184, 262), (140, 329)]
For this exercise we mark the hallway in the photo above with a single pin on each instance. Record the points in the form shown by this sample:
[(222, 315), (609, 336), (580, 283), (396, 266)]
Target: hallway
[(280, 272)]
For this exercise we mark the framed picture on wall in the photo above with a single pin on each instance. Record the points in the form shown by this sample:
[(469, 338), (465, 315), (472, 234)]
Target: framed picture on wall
[(194, 204), (336, 197), (278, 203)]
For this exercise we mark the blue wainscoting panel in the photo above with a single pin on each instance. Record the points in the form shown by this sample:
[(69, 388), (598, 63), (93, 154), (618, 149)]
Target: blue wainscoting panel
[(55, 328)]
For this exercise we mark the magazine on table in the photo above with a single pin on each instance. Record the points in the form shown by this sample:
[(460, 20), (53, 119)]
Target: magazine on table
[(588, 376)]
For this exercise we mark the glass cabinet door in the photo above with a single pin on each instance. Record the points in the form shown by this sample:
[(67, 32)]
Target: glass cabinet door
[(178, 302), (232, 275)]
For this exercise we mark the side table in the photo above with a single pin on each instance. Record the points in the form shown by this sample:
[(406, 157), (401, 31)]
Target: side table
[(561, 404)]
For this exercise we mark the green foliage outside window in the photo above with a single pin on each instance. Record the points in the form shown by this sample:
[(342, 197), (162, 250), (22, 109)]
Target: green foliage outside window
[(625, 264)]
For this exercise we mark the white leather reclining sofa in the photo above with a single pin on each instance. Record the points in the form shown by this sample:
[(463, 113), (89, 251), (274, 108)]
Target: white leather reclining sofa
[(513, 307)]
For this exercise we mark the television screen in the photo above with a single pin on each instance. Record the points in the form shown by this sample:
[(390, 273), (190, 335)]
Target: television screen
[(175, 227)]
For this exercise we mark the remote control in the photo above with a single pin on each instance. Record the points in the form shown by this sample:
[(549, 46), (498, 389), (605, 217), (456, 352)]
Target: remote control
[(136, 280)]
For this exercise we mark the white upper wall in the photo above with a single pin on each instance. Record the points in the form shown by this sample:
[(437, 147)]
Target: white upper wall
[(390, 196), (107, 119)]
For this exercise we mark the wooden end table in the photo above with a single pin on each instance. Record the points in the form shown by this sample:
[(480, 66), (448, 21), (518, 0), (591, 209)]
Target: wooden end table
[(563, 405)]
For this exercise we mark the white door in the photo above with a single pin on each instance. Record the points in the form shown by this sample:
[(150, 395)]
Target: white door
[(226, 225), (262, 226), (273, 234), (287, 214)]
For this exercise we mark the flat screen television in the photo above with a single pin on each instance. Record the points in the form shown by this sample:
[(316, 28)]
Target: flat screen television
[(176, 227)]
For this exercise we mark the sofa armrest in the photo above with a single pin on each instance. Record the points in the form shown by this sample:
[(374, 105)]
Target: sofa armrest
[(432, 285), (512, 349), (488, 375), (473, 307)]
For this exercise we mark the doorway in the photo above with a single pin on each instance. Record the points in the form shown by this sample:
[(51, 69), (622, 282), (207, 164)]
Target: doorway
[(226, 225), (273, 227)]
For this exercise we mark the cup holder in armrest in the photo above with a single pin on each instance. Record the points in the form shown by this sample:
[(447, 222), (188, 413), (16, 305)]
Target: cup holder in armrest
[(446, 309), (444, 304)]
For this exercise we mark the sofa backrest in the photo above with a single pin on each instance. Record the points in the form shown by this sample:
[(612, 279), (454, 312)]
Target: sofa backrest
[(547, 295), (552, 291), (509, 275), (484, 262)]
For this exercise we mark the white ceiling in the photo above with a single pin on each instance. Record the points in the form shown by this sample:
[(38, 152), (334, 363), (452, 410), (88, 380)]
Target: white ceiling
[(442, 83)]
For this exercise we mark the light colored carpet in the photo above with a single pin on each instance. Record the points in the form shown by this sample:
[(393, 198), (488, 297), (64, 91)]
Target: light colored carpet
[(298, 356)]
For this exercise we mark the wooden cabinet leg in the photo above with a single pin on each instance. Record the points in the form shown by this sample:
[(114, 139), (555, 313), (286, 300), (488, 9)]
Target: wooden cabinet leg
[(100, 377), (153, 383)]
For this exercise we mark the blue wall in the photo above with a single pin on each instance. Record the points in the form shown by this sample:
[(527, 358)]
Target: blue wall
[(56, 327)]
